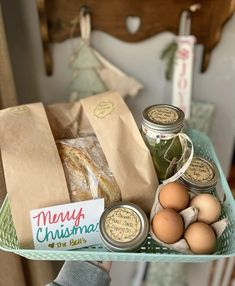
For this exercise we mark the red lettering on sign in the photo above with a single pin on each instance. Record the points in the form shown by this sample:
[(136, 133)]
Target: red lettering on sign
[(44, 218)]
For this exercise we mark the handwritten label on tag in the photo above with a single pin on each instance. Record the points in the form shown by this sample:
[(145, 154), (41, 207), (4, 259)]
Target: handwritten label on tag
[(67, 226)]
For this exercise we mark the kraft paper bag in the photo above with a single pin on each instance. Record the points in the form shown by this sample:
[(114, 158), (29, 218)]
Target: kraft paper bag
[(109, 118), (124, 148), (33, 172)]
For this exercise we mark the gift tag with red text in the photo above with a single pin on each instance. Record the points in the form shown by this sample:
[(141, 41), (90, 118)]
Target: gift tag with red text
[(68, 226)]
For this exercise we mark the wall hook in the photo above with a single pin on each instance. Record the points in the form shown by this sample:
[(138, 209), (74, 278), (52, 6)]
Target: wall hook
[(84, 10), (195, 7)]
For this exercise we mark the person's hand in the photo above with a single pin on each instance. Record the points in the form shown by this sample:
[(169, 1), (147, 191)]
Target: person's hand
[(105, 265)]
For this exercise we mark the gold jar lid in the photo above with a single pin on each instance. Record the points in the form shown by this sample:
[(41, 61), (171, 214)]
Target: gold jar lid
[(201, 175), (123, 227), (164, 118)]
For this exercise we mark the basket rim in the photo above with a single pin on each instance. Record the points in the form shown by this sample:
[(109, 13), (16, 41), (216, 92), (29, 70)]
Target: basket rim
[(32, 252)]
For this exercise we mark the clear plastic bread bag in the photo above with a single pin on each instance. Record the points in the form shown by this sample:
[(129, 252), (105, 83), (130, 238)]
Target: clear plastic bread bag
[(86, 170)]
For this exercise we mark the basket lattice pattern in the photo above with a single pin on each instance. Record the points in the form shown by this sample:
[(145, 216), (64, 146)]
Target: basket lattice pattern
[(150, 251)]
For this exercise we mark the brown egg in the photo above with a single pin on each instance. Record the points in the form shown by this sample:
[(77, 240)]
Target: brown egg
[(168, 225), (201, 238), (175, 196), (208, 206)]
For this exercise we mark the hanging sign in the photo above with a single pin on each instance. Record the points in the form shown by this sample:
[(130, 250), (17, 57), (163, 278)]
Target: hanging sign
[(182, 76), (67, 226)]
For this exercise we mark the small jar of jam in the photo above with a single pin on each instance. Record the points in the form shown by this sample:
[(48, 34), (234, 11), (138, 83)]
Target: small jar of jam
[(201, 175), (123, 227)]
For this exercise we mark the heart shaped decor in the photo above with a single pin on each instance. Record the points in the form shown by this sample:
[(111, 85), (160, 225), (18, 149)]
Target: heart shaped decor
[(133, 24)]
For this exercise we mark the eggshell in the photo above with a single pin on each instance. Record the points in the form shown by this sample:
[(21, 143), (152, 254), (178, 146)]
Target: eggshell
[(200, 238), (175, 196), (208, 206), (168, 225)]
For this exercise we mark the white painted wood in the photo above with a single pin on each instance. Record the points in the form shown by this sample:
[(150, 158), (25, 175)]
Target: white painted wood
[(139, 274), (218, 272), (122, 273), (228, 271), (198, 273), (182, 74)]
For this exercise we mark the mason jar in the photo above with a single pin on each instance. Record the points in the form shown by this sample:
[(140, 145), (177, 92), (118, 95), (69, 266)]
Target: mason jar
[(160, 126), (201, 176), (123, 227)]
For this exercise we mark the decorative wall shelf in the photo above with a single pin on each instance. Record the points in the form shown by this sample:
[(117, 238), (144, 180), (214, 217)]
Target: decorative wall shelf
[(57, 20)]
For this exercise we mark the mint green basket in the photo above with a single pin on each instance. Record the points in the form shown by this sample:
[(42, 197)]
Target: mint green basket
[(151, 251)]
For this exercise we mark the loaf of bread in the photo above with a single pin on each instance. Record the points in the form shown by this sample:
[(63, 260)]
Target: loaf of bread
[(86, 170)]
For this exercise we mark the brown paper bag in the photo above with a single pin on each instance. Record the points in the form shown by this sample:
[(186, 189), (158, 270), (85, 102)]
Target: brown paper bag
[(33, 172), (128, 157), (124, 148), (32, 167)]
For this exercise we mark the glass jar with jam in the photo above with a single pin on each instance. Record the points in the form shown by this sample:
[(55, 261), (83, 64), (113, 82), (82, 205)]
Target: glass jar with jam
[(201, 176), (123, 227), (160, 121)]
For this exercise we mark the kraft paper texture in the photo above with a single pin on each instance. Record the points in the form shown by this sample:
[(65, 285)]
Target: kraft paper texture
[(128, 157), (124, 148), (33, 171)]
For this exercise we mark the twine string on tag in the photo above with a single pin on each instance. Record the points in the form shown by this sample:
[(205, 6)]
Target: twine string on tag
[(184, 140), (84, 19), (85, 26)]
